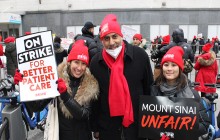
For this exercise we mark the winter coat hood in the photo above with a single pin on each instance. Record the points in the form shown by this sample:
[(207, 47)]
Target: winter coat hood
[(207, 59), (88, 89)]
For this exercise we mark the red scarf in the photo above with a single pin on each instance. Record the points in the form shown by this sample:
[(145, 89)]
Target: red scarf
[(119, 95)]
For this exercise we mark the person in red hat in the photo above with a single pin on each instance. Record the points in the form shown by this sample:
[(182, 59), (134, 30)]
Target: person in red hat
[(139, 41), (172, 82), (11, 55), (207, 69), (77, 88), (124, 73)]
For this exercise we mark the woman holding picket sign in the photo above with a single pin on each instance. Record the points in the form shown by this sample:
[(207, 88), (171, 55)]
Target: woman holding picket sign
[(77, 88), (173, 83)]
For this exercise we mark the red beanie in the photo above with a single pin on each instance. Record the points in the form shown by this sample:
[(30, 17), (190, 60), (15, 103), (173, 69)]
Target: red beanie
[(207, 47), (166, 40), (9, 39), (27, 33), (138, 36), (175, 55), (110, 25), (79, 52)]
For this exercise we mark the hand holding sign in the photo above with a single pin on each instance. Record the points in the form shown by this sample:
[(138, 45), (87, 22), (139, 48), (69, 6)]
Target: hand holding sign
[(61, 86), (18, 77)]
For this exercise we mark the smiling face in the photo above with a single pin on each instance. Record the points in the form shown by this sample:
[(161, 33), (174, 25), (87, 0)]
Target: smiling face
[(112, 41), (171, 72), (77, 68)]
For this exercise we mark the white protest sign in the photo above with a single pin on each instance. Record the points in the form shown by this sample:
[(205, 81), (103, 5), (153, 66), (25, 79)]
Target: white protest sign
[(128, 33), (65, 43), (36, 61)]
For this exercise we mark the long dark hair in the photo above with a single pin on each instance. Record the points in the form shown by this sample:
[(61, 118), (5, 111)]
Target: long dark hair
[(181, 79)]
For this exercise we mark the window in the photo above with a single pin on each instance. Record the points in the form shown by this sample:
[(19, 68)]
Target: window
[(38, 29), (189, 31), (158, 30), (213, 31)]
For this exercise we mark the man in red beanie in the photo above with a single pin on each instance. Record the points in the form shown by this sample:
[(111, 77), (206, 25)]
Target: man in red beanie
[(137, 38), (139, 41), (124, 73)]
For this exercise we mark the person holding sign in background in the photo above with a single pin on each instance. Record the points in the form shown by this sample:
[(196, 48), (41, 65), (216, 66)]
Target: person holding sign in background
[(139, 41), (173, 83), (77, 88)]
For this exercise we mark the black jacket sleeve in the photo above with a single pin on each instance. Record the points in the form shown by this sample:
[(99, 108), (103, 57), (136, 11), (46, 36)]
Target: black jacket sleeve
[(79, 112)]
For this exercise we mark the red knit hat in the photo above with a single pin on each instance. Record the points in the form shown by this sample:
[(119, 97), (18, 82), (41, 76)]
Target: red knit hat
[(138, 36), (110, 25), (9, 39), (175, 55), (79, 52), (166, 40), (27, 33), (207, 47)]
